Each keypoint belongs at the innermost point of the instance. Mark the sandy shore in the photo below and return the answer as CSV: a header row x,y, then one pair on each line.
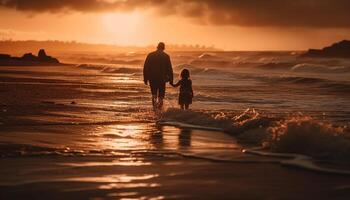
x,y
55,143
165,178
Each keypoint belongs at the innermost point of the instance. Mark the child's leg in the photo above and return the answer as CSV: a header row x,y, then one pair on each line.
x,y
182,106
187,106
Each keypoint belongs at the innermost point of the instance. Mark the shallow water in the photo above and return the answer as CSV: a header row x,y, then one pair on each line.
x,y
84,119
264,86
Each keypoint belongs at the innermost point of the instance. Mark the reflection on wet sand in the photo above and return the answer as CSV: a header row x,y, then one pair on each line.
x,y
156,138
120,178
150,137
115,140
185,138
149,162
127,161
122,137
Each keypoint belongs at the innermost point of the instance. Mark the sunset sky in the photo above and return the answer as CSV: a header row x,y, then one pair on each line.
x,y
226,24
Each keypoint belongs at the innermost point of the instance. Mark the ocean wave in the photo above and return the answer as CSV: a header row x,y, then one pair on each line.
x,y
207,56
298,80
199,70
306,135
299,67
121,70
126,62
295,66
336,86
111,68
236,124
91,66
275,66
211,63
319,68
105,59
281,136
293,134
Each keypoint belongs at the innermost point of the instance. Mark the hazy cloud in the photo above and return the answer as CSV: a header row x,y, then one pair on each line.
x,y
298,13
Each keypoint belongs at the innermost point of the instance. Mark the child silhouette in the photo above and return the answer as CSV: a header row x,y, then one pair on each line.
x,y
186,91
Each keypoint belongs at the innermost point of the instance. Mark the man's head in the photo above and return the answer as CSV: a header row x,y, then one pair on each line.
x,y
161,46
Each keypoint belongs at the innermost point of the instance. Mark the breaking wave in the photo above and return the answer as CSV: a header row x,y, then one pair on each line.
x,y
319,68
200,70
305,135
297,133
299,67
111,69
121,70
337,86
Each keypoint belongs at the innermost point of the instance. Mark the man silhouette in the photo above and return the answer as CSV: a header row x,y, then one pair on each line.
x,y
157,71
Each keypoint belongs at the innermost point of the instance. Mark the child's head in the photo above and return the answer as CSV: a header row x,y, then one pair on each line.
x,y
185,74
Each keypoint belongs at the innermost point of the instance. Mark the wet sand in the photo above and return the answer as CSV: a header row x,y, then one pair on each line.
x,y
165,178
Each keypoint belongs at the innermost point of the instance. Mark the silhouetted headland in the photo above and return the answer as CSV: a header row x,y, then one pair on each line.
x,y
29,59
336,50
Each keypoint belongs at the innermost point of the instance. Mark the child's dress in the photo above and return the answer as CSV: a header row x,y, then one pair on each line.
x,y
186,92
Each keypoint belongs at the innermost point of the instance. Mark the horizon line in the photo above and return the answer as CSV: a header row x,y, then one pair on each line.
x,y
172,45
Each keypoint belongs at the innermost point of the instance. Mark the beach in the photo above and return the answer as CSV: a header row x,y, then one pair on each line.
x,y
153,177
87,131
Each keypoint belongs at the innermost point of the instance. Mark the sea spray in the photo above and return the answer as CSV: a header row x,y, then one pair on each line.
x,y
305,135
249,126
197,118
296,133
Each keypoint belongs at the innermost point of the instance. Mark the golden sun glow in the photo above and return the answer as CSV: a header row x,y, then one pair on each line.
x,y
121,23
143,27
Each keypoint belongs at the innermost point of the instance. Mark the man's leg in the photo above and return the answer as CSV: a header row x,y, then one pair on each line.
x,y
160,103
154,91
154,102
161,95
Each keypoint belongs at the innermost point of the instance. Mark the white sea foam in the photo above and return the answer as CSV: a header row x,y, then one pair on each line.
x,y
320,68
295,134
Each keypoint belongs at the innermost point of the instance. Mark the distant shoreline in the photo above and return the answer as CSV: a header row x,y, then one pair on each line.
x,y
12,46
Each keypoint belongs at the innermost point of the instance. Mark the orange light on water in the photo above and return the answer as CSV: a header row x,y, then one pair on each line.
x,y
122,137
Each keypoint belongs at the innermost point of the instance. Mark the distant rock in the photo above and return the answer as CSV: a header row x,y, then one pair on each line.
x,y
28,59
42,53
337,50
4,56
42,57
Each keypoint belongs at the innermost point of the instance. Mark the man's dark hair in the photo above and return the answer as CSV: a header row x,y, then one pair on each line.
x,y
161,46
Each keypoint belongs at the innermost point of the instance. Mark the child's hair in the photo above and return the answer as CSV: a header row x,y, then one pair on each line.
x,y
185,74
